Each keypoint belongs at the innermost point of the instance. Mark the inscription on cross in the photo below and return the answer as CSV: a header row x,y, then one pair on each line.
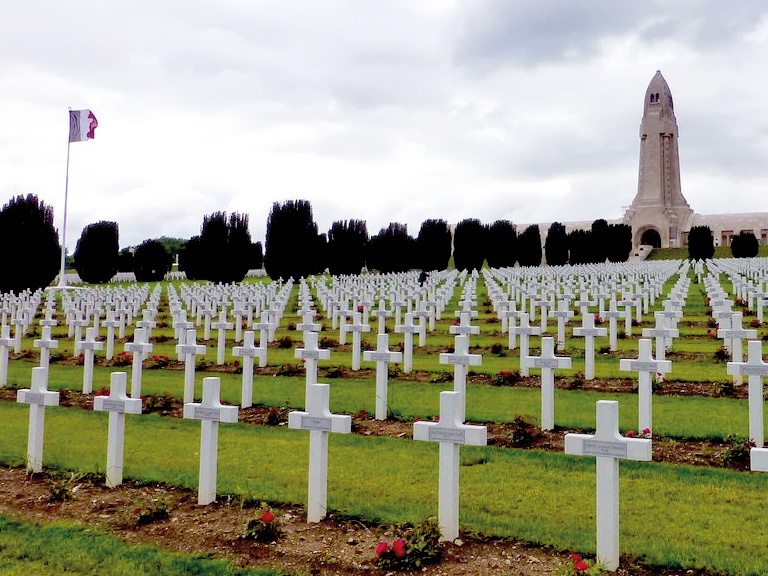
x,y
382,356
548,362
461,359
755,369
38,397
187,353
248,351
645,366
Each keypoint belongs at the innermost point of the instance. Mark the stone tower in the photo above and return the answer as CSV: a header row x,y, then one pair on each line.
x,y
659,212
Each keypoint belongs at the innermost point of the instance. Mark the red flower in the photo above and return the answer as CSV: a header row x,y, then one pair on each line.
x,y
647,431
381,548
398,546
267,517
576,557
581,566
630,433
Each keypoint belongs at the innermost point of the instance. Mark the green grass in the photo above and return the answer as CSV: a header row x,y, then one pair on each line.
x,y
541,497
27,548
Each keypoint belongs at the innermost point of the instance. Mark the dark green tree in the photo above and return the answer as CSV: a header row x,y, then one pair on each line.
x,y
292,242
190,259
151,262
434,245
469,244
224,249
556,245
391,250
125,260
96,254
257,256
599,250
744,245
346,247
501,249
619,242
30,255
701,244
580,247
529,246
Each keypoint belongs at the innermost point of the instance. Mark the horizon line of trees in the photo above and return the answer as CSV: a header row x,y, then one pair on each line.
x,y
224,252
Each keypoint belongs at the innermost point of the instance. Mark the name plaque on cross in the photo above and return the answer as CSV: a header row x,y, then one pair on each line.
x,y
638,366
31,397
545,363
311,354
437,434
751,370
203,413
604,448
316,423
373,356
114,406
455,360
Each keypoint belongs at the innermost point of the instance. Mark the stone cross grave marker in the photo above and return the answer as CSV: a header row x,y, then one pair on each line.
x,y
319,420
89,347
221,328
450,433
111,323
45,344
6,342
187,353
210,412
525,331
613,315
357,327
118,405
589,331
407,328
306,324
461,359
310,354
79,322
38,397
563,315
138,348
548,362
248,351
464,326
382,356
736,333
661,333
422,313
381,313
755,369
645,366
608,446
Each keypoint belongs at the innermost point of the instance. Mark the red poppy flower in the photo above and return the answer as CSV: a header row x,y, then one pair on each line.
x,y
647,431
398,546
630,433
267,517
381,548
581,566
576,557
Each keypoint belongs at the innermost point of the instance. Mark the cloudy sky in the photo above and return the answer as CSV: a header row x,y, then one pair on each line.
x,y
381,110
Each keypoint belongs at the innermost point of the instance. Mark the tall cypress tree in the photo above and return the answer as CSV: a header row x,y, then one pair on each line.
x,y
151,262
434,245
556,245
30,254
346,246
96,253
701,244
529,246
469,244
600,240
501,249
619,242
391,250
292,242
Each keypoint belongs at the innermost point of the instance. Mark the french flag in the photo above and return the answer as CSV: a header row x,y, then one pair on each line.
x,y
82,124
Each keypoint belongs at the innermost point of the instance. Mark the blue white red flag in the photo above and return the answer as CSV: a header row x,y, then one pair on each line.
x,y
82,124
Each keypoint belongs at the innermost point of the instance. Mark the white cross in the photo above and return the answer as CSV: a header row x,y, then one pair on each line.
x,y
311,353
78,324
221,328
464,326
613,315
525,331
382,356
608,446
563,315
138,348
755,369
187,353
89,345
510,314
548,362
589,332
736,333
5,345
381,313
248,351
450,433
306,321
210,412
422,313
407,328
118,405
357,327
111,323
342,315
319,420
661,333
38,397
263,327
461,359
46,343
645,365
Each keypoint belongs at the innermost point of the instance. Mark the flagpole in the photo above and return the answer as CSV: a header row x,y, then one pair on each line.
x,y
62,281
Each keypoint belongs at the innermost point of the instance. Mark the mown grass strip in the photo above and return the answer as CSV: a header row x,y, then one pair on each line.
x,y
671,515
27,548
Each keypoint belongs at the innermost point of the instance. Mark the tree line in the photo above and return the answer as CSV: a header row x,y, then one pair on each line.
x,y
224,252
